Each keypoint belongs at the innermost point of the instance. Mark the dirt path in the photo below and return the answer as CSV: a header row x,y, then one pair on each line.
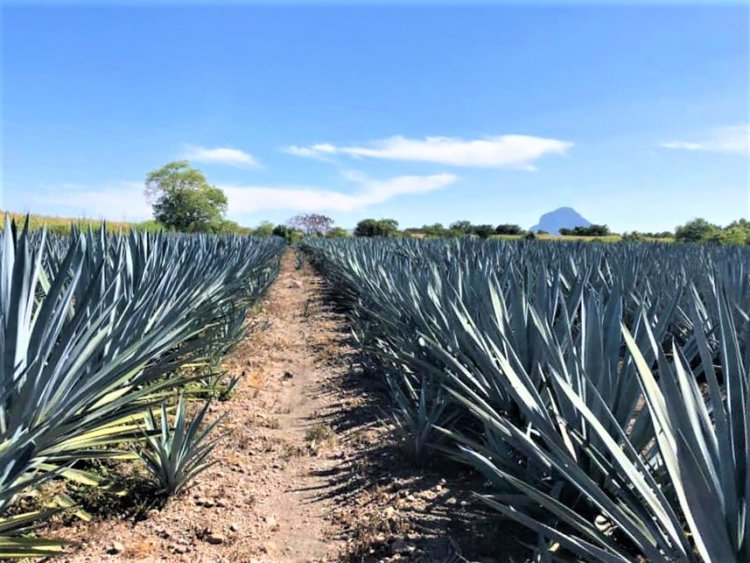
x,y
260,502
308,470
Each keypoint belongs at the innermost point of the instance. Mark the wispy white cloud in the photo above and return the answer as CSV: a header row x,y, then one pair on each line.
x,y
221,155
504,151
118,201
249,199
734,139
320,150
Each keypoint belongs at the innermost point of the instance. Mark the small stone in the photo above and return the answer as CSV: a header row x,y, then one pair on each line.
x,y
115,547
179,548
271,522
203,501
389,512
401,547
215,538
234,527
288,375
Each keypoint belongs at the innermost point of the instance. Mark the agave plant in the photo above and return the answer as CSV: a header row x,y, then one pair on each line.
x,y
175,455
92,330
612,444
683,499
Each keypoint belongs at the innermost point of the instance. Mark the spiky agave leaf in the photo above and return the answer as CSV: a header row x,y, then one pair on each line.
x,y
175,455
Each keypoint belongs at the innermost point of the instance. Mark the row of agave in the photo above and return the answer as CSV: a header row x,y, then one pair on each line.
x,y
96,331
602,390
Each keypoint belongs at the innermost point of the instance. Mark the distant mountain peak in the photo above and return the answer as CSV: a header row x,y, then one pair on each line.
x,y
560,218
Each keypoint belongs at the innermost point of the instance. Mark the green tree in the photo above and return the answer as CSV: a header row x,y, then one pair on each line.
x,y
337,232
696,230
590,231
289,234
265,229
742,225
435,230
461,227
366,228
184,200
508,229
376,228
483,231
227,227
733,234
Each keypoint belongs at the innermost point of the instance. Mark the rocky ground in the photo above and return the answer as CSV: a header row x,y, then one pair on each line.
x,y
308,470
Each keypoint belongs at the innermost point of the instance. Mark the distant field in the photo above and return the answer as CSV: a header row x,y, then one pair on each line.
x,y
61,225
608,238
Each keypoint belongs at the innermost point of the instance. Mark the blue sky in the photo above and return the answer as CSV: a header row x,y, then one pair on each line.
x,y
636,116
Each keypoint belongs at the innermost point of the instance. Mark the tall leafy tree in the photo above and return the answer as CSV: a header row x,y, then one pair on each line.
x,y
183,199
376,228
696,230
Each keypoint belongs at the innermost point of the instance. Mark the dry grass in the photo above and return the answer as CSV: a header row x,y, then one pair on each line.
x,y
62,225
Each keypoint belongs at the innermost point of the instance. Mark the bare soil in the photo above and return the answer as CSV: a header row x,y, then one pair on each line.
x,y
309,469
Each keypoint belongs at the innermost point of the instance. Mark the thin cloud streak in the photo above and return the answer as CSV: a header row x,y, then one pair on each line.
x,y
504,151
250,199
221,155
734,139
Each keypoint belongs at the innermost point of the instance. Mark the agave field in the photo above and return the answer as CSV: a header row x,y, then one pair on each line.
x,y
103,340
602,390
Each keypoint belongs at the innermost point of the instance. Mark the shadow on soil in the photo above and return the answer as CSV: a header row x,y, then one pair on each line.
x,y
388,508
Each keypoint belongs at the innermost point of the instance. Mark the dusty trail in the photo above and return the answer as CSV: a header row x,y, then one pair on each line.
x,y
260,502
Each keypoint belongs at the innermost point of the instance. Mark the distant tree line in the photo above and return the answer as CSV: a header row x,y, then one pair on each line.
x,y
465,228
590,231
640,236
182,200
